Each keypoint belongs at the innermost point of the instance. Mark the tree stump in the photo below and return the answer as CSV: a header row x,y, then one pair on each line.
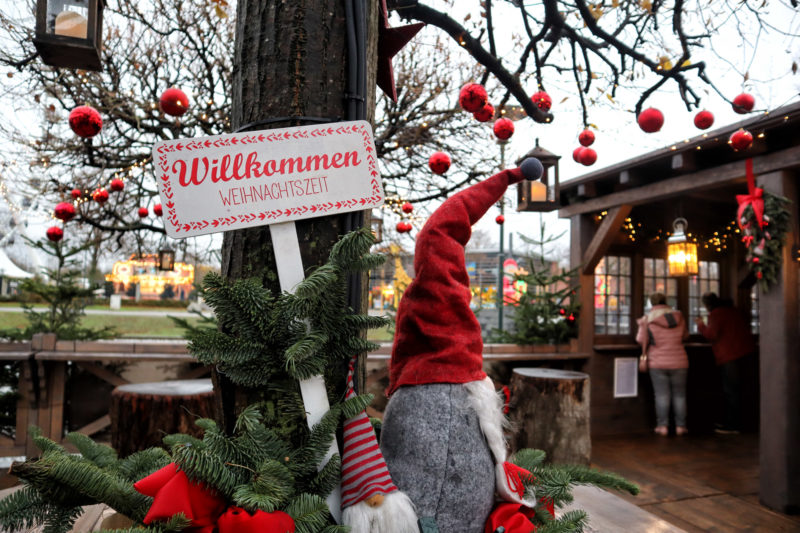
x,y
143,413
549,411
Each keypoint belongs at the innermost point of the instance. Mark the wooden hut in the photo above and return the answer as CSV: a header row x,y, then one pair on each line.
x,y
620,217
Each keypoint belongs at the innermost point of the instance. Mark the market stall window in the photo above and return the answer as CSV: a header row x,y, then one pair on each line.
x,y
706,280
612,296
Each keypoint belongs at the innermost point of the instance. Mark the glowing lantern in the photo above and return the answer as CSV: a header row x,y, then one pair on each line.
x,y
681,254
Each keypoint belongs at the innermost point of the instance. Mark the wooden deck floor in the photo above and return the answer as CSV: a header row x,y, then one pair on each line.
x,y
703,483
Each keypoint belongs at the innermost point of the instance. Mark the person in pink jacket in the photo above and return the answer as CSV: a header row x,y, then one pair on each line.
x,y
661,333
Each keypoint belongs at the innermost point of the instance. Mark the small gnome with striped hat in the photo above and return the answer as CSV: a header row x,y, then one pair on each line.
x,y
371,503
442,433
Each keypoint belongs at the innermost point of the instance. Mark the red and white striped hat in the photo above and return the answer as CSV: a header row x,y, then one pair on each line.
x,y
364,471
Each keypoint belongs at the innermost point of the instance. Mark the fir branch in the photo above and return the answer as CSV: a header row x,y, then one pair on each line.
x,y
309,512
569,522
100,455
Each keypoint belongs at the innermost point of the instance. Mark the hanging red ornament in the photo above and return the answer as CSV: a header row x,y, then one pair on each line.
x,y
64,211
157,210
55,234
85,121
100,196
484,114
174,102
650,120
403,227
472,97
588,157
562,311
741,139
407,207
75,193
503,128
117,185
576,153
571,317
500,219
704,120
439,162
744,103
586,138
143,212
542,100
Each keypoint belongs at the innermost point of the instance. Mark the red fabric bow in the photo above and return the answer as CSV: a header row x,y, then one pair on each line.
x,y
754,198
237,520
514,517
173,493
515,476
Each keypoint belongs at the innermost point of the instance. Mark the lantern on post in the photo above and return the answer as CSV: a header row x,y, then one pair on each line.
x,y
376,225
68,32
166,259
681,254
541,195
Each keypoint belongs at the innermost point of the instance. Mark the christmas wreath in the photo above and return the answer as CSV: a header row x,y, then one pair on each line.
x,y
764,221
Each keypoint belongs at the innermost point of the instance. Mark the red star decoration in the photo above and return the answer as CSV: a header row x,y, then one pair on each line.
x,y
390,41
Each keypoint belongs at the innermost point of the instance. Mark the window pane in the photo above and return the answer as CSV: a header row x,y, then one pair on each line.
x,y
612,296
626,266
649,269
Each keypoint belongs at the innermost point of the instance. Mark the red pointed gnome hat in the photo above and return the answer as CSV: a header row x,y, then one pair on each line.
x,y
438,338
364,470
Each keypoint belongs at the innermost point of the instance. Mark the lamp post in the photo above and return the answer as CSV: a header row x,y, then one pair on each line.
x,y
69,32
500,255
542,195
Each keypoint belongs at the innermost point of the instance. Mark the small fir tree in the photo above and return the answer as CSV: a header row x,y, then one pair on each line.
x,y
168,293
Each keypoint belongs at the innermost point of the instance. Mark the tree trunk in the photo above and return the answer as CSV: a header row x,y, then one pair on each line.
x,y
143,413
550,412
290,61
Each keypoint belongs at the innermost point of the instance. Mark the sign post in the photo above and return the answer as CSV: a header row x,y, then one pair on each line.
x,y
273,177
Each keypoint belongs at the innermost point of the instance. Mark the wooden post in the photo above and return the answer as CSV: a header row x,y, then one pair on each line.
x,y
779,329
550,411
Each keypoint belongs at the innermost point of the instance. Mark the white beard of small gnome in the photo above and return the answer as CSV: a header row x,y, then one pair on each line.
x,y
442,434
371,503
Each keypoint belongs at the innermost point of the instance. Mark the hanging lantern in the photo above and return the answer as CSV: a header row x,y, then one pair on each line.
x,y
681,254
540,195
68,33
166,259
376,224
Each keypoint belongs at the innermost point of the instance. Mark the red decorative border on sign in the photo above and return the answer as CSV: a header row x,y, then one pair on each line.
x,y
277,214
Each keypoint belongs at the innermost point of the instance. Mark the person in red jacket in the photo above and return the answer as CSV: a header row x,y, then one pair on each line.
x,y
661,333
731,340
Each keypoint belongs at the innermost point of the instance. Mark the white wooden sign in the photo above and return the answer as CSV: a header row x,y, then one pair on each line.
x,y
240,180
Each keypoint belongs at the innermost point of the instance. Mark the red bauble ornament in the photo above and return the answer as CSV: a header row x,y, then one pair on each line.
x,y
64,211
586,138
85,121
741,140
75,193
562,311
500,219
503,128
484,114
704,120
403,227
744,103
650,120
174,102
542,100
439,162
143,212
117,185
100,196
588,156
756,260
407,207
472,97
157,210
576,153
55,234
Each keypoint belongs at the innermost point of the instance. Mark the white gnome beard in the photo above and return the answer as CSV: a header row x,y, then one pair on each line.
x,y
395,515
489,407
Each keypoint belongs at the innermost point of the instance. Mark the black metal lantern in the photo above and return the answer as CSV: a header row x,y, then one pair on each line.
x,y
68,32
540,195
376,225
166,259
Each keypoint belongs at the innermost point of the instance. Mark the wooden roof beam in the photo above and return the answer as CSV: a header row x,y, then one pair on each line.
x,y
604,237
695,181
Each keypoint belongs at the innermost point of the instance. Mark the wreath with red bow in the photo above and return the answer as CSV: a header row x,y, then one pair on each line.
x,y
764,221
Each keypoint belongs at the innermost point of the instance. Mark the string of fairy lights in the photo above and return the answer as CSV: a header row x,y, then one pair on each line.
x,y
124,175
718,241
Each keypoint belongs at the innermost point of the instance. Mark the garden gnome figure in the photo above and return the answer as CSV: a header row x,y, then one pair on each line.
x,y
442,434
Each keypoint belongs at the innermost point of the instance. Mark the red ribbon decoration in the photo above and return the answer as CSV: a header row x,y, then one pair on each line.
x,y
173,493
515,476
237,520
754,198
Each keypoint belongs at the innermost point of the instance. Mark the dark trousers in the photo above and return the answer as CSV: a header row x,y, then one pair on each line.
x,y
731,376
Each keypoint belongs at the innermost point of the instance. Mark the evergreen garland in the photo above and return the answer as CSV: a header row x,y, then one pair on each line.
x,y
765,244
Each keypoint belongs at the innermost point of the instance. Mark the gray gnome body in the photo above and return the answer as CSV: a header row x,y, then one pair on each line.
x,y
434,447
